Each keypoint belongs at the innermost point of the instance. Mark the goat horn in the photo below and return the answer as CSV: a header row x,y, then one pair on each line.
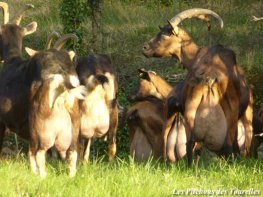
x,y
62,40
195,12
4,6
254,18
18,17
50,39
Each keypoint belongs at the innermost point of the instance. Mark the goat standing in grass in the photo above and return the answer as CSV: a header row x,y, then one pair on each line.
x,y
14,81
231,93
99,109
54,116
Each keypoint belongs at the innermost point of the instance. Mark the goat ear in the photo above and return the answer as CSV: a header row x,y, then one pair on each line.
x,y
141,70
175,30
143,74
30,28
102,79
31,52
71,55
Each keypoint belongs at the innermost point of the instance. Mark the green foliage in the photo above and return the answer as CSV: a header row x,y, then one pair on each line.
x,y
73,13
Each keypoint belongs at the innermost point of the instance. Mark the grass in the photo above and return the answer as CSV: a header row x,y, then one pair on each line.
x,y
128,178
126,26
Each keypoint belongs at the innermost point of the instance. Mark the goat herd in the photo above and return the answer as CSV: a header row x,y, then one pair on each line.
x,y
51,100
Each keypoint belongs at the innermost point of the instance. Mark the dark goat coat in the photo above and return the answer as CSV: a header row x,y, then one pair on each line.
x,y
15,81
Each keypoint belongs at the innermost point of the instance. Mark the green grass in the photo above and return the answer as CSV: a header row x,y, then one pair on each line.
x,y
128,178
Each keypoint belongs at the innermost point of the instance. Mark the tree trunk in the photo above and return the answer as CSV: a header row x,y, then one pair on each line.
x,y
96,11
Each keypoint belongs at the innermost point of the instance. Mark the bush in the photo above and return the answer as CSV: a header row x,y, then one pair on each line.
x,y
72,14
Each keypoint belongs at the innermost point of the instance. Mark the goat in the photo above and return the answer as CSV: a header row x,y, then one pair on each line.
x,y
151,96
146,117
99,109
14,86
257,139
174,41
54,116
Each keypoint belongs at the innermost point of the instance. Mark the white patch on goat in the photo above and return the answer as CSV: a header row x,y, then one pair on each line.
x,y
241,134
74,81
56,80
73,156
109,87
95,118
79,92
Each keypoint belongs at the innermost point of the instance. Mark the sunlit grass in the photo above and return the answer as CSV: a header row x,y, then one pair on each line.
x,y
128,178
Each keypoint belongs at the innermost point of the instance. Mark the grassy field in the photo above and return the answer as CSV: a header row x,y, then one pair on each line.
x,y
126,26
128,178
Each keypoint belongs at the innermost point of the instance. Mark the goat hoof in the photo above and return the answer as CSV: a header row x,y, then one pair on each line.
x,y
72,173
42,175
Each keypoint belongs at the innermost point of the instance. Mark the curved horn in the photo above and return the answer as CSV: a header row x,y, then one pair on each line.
x,y
17,19
50,39
254,18
4,6
195,12
62,40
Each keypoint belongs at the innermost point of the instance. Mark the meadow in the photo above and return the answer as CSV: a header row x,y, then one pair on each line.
x,y
128,178
126,25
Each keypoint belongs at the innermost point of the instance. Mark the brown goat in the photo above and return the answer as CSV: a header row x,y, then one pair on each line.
x,y
99,109
152,96
146,117
174,41
54,116
14,82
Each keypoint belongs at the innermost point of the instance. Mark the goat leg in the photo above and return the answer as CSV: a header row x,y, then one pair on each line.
x,y
2,134
87,152
40,160
32,158
33,148
72,152
72,160
112,132
189,146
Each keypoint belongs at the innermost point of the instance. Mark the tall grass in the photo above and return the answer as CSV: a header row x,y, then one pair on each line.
x,y
128,178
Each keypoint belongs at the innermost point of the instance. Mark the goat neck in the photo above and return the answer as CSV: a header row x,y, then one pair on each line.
x,y
189,50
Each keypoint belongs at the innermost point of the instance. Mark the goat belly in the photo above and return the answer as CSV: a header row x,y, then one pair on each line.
x,y
95,120
140,148
181,139
210,124
171,142
56,130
